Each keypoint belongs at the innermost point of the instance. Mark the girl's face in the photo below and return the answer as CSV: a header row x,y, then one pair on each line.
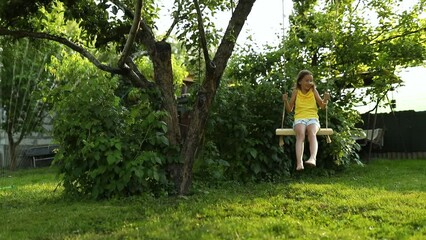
x,y
306,82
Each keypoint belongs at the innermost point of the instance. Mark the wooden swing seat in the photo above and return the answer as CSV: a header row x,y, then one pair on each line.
x,y
291,132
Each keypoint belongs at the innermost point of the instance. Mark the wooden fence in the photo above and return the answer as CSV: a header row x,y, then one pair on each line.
x,y
404,134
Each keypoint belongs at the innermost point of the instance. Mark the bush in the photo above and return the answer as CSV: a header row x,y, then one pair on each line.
x,y
240,139
105,149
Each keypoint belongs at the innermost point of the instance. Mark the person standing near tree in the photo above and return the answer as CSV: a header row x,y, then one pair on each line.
x,y
305,100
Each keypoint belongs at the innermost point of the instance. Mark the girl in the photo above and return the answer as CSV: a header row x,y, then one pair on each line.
x,y
305,100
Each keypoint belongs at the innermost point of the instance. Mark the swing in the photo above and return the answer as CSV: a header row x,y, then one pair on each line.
x,y
290,132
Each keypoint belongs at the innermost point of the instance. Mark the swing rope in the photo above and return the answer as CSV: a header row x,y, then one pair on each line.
x,y
289,131
281,143
328,139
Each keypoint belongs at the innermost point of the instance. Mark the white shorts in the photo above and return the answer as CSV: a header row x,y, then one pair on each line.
x,y
307,122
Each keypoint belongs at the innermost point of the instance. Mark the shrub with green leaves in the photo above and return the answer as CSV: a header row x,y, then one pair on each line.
x,y
240,141
105,149
343,149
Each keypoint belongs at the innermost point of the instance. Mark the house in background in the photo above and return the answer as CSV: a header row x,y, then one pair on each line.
x,y
34,150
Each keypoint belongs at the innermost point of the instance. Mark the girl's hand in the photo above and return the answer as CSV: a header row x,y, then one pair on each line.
x,y
285,97
326,96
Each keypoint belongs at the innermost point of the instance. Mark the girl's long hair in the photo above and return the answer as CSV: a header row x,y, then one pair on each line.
x,y
300,76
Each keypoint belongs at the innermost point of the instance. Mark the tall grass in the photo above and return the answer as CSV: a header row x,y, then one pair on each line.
x,y
383,200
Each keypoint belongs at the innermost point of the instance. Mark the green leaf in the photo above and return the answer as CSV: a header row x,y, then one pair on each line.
x,y
158,160
155,175
139,173
111,159
164,140
256,168
253,152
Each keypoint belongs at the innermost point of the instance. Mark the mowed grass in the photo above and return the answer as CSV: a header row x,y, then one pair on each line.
x,y
385,199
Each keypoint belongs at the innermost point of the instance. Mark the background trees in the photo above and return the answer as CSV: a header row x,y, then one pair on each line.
x,y
102,25
23,79
333,40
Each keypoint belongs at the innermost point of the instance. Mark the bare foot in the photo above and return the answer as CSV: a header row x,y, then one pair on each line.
x,y
311,162
299,167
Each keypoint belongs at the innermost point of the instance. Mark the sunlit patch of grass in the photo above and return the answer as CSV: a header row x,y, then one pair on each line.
x,y
383,200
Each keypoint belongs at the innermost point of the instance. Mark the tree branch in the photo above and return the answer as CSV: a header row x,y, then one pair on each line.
x,y
203,38
169,31
399,35
66,42
127,11
147,37
229,39
132,34
130,71
176,19
145,33
138,79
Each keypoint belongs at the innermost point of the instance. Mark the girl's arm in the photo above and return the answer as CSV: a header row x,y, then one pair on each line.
x,y
321,103
289,105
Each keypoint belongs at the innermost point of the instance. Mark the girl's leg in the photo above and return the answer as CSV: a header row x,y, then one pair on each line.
x,y
300,143
312,130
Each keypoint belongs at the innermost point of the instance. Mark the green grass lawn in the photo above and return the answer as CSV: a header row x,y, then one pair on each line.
x,y
383,200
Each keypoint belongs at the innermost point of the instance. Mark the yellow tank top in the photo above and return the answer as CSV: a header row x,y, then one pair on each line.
x,y
306,106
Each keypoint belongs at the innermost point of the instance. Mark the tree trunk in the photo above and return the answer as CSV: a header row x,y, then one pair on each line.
x,y
196,132
12,152
163,75
214,71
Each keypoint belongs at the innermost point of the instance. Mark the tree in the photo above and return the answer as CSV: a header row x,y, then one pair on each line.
x,y
22,78
139,26
309,44
350,50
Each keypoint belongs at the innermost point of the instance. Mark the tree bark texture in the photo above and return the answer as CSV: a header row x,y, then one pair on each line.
x,y
12,151
163,76
205,97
